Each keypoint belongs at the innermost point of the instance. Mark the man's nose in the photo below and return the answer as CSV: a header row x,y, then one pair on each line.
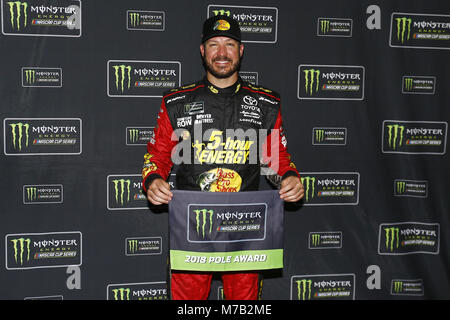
x,y
222,50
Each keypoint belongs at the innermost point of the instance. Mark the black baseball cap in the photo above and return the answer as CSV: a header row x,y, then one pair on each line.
x,y
221,26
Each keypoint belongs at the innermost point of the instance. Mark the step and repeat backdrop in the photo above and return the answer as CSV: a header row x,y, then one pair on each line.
x,y
365,102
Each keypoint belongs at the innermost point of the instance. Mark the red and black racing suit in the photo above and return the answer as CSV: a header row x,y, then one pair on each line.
x,y
219,162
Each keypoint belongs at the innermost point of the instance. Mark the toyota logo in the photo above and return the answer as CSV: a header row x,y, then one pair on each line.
x,y
250,101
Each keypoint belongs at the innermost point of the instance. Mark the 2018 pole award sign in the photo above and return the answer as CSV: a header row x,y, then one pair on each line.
x,y
229,231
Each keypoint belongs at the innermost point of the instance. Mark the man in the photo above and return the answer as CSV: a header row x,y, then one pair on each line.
x,y
218,162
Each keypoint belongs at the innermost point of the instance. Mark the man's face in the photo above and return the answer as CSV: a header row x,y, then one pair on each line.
x,y
222,56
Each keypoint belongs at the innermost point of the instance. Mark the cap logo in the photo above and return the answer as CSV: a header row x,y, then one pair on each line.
x,y
221,12
221,25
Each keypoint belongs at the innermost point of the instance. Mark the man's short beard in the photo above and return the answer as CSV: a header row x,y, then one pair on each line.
x,y
235,67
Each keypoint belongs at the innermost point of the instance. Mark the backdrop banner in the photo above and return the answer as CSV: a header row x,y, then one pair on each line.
x,y
365,102
226,231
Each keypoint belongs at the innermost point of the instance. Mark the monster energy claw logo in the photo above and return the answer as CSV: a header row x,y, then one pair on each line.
x,y
398,133
310,79
221,12
315,239
392,236
408,84
304,289
121,76
20,245
134,17
324,26
31,193
121,184
133,245
15,8
308,182
403,26
320,135
398,286
133,134
121,293
30,76
401,185
19,135
203,213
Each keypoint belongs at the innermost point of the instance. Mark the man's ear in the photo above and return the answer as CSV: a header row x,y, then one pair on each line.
x,y
202,50
241,49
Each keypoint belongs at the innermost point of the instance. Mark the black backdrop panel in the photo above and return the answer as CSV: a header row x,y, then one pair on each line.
x,y
365,108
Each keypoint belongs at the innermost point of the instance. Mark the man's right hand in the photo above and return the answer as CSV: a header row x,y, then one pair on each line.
x,y
159,192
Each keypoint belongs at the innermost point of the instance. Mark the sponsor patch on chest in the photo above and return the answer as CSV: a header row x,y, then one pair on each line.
x,y
194,107
250,111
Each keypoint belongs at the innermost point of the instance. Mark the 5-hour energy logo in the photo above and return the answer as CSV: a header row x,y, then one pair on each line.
x,y
219,151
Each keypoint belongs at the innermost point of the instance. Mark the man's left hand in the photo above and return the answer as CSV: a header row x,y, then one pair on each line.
x,y
292,189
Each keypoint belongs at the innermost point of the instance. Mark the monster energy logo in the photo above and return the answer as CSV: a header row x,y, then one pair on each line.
x,y
30,76
401,186
120,184
304,289
398,286
15,8
133,134
398,132
203,213
221,12
324,26
121,77
320,133
315,239
133,245
308,182
403,26
19,252
121,293
18,136
31,193
134,17
310,79
408,84
392,237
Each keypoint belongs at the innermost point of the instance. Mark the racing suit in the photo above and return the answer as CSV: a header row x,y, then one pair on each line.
x,y
217,159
